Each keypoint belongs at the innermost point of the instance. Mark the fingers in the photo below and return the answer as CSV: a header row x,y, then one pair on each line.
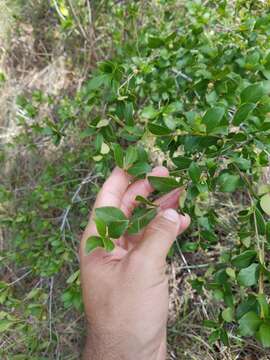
x,y
140,187
110,194
170,200
113,189
161,233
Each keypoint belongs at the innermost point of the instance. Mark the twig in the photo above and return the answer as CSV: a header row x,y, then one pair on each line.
x,y
50,306
86,180
77,19
58,10
20,278
189,271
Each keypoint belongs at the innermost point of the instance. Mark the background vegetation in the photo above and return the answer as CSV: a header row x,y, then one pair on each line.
x,y
185,84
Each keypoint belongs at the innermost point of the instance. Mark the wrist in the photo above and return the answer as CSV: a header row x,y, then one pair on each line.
x,y
101,347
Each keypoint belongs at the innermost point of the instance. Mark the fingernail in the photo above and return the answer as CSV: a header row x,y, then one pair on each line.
x,y
171,215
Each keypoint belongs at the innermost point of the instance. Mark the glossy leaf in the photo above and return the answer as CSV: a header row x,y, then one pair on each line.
x,y
249,276
242,113
249,324
163,184
212,118
92,243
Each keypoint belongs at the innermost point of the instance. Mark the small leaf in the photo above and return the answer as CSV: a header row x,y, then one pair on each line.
x,y
108,244
5,324
245,259
118,155
97,81
242,113
228,314
182,198
163,184
249,276
110,214
139,222
130,157
212,118
101,227
149,112
264,306
73,277
103,123
260,222
265,203
224,337
228,182
263,335
194,172
117,228
158,129
104,149
145,201
214,336
182,162
138,169
92,243
252,93
249,324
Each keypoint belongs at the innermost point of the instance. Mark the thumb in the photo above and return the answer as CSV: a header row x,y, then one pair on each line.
x,y
161,232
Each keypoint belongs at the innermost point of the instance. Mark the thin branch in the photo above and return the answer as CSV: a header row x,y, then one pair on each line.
x,y
189,271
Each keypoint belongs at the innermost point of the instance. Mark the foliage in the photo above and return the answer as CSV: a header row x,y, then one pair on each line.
x,y
188,84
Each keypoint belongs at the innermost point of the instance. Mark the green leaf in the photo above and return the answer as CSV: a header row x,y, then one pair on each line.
x,y
101,227
242,113
249,324
158,129
267,232
145,201
264,306
194,172
224,337
163,184
244,259
5,324
118,155
139,169
228,182
97,81
228,314
252,93
214,336
265,203
139,222
149,112
260,222
182,162
212,118
108,244
110,214
130,157
92,243
73,277
249,276
117,228
263,335
182,199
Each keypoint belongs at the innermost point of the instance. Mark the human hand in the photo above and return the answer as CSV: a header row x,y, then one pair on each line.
x,y
125,292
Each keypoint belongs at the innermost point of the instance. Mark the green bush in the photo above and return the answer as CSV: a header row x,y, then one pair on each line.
x,y
188,86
